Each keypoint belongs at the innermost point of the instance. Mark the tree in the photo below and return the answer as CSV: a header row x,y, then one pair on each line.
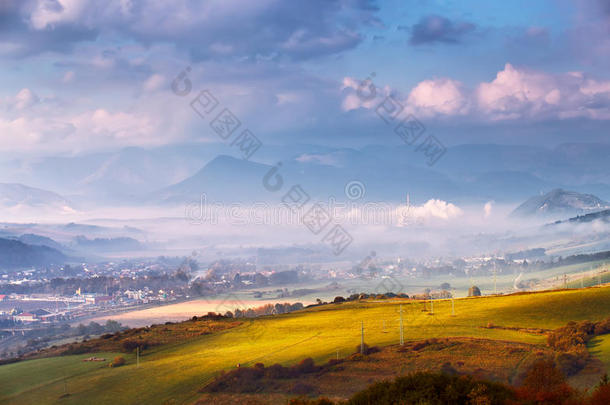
x,y
601,395
474,291
545,384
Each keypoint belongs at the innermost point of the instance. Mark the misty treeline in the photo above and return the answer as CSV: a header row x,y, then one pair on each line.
x,y
100,284
40,337
268,309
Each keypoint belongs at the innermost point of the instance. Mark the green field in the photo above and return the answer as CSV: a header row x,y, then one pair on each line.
x,y
602,277
173,374
600,348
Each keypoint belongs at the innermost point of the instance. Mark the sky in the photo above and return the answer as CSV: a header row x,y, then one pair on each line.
x,y
83,76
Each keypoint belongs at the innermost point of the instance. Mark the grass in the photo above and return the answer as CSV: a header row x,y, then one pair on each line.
x,y
174,373
55,370
600,348
601,278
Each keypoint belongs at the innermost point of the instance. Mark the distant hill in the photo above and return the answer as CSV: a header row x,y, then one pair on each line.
x,y
100,245
15,254
560,202
38,240
601,215
222,179
16,195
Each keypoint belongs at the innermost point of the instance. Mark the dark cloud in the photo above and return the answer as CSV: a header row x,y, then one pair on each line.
x,y
21,39
433,29
299,29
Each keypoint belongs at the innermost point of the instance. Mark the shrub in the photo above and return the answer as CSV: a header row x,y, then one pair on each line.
x,y
601,395
275,371
574,335
430,388
447,368
474,291
571,363
307,401
117,362
131,345
367,350
544,383
300,388
306,366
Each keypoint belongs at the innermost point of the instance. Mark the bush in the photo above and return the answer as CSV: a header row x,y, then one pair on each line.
x,y
307,401
131,345
117,362
306,366
573,336
601,395
430,388
571,363
299,388
474,291
367,350
544,383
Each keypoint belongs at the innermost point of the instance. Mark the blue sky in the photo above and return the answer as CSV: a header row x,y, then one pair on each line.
x,y
80,76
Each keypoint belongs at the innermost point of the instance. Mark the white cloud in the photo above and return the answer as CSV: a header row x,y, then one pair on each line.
x,y
432,209
487,208
25,98
520,93
515,93
68,77
154,82
440,96
34,125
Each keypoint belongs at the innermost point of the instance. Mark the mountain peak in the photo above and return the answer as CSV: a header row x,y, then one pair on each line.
x,y
560,202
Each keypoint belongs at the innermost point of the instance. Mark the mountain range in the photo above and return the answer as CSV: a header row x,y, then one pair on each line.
x,y
181,174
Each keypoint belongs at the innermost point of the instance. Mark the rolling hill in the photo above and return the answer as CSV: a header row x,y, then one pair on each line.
x,y
15,254
174,373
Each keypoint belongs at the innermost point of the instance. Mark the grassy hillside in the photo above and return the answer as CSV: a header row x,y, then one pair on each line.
x,y
600,348
172,374
602,277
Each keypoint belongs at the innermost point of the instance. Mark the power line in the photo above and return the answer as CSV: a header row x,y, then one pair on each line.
x,y
452,307
402,337
495,280
362,337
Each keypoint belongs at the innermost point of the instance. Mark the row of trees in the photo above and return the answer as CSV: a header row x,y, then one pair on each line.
x,y
268,309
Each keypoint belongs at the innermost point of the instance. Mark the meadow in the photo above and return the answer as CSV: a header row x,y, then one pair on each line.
x,y
172,374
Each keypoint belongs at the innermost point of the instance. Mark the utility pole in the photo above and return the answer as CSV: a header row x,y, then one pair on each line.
x,y
452,307
495,280
402,337
362,337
